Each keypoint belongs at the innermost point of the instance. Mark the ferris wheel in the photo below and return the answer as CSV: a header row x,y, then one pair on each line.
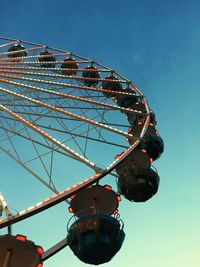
x,y
61,109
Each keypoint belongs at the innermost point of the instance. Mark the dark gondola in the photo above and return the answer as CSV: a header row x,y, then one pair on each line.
x,y
139,115
90,76
95,239
69,66
17,51
111,83
137,181
136,130
47,59
153,145
138,184
127,101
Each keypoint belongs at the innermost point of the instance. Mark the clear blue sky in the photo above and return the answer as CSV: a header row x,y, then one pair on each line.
x,y
156,44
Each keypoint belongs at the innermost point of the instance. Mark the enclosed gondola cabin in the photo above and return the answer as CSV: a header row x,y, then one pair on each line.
x,y
153,145
139,114
136,180
136,130
153,118
69,66
96,236
137,157
16,51
138,184
90,76
127,101
95,239
111,83
47,59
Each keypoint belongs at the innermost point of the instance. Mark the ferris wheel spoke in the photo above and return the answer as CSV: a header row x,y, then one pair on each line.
x,y
101,114
19,133
56,76
65,128
29,67
100,141
64,107
68,96
50,138
14,133
84,115
55,149
40,157
62,118
62,85
39,115
87,131
10,141
51,186
83,136
50,183
70,114
31,140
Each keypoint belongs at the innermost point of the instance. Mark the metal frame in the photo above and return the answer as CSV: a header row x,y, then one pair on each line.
x,y
14,105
